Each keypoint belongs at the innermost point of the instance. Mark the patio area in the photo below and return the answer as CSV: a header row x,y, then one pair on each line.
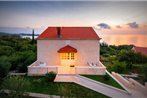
x,y
37,69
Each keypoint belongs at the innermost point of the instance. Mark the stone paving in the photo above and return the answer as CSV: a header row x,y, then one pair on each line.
x,y
99,87
93,85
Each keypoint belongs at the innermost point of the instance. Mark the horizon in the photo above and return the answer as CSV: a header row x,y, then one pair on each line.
x,y
111,39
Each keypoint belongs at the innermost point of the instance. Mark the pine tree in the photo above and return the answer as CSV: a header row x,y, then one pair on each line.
x,y
33,36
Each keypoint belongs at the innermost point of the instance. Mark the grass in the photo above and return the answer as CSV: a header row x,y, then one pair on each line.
x,y
101,78
38,85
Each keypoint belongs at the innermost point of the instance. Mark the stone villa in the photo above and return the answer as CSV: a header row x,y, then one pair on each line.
x,y
68,50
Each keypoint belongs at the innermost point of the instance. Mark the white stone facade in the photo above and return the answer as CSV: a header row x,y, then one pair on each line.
x,y
87,51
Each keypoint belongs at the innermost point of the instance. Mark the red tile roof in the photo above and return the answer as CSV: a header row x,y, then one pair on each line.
x,y
69,33
142,50
67,49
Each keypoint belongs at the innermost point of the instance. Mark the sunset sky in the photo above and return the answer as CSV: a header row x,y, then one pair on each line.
x,y
108,17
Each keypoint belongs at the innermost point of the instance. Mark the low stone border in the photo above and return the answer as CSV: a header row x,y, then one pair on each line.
x,y
17,74
128,91
34,95
38,95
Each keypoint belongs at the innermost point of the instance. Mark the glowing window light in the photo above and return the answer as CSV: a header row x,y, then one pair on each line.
x,y
67,56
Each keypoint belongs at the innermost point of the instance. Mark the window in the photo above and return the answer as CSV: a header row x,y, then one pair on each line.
x,y
72,56
67,56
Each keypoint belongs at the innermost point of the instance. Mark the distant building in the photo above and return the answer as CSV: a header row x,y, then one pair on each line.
x,y
68,50
142,50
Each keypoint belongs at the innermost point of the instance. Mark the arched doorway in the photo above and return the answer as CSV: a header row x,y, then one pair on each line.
x,y
67,60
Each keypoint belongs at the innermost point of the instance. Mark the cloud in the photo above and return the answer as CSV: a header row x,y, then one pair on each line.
x,y
118,26
133,25
104,26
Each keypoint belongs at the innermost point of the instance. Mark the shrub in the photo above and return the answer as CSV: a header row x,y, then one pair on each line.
x,y
17,86
106,77
64,91
4,66
49,77
125,47
119,67
106,55
19,51
22,67
144,72
20,60
6,50
131,57
103,44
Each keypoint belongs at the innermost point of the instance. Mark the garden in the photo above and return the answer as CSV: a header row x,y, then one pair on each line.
x,y
123,60
40,84
17,53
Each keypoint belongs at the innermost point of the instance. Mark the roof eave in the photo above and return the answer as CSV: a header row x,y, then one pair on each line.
x,y
69,38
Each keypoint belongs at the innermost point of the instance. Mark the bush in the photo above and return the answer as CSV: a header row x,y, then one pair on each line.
x,y
64,91
20,60
22,67
131,57
17,86
103,44
106,77
49,77
144,72
4,66
119,67
108,51
106,55
6,50
125,47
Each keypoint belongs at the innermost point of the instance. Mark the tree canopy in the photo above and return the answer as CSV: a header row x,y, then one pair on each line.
x,y
16,53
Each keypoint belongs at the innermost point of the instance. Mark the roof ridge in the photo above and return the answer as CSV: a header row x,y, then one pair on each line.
x,y
70,33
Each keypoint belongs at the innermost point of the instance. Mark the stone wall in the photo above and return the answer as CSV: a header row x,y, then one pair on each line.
x,y
130,83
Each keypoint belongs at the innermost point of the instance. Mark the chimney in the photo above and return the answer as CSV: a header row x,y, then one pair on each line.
x,y
59,32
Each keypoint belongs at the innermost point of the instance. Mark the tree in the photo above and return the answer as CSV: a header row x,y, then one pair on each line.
x,y
4,66
103,44
130,57
25,59
106,50
125,47
32,37
20,53
6,50
144,72
119,67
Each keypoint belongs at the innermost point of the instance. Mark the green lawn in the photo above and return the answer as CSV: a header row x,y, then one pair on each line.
x,y
38,85
101,78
